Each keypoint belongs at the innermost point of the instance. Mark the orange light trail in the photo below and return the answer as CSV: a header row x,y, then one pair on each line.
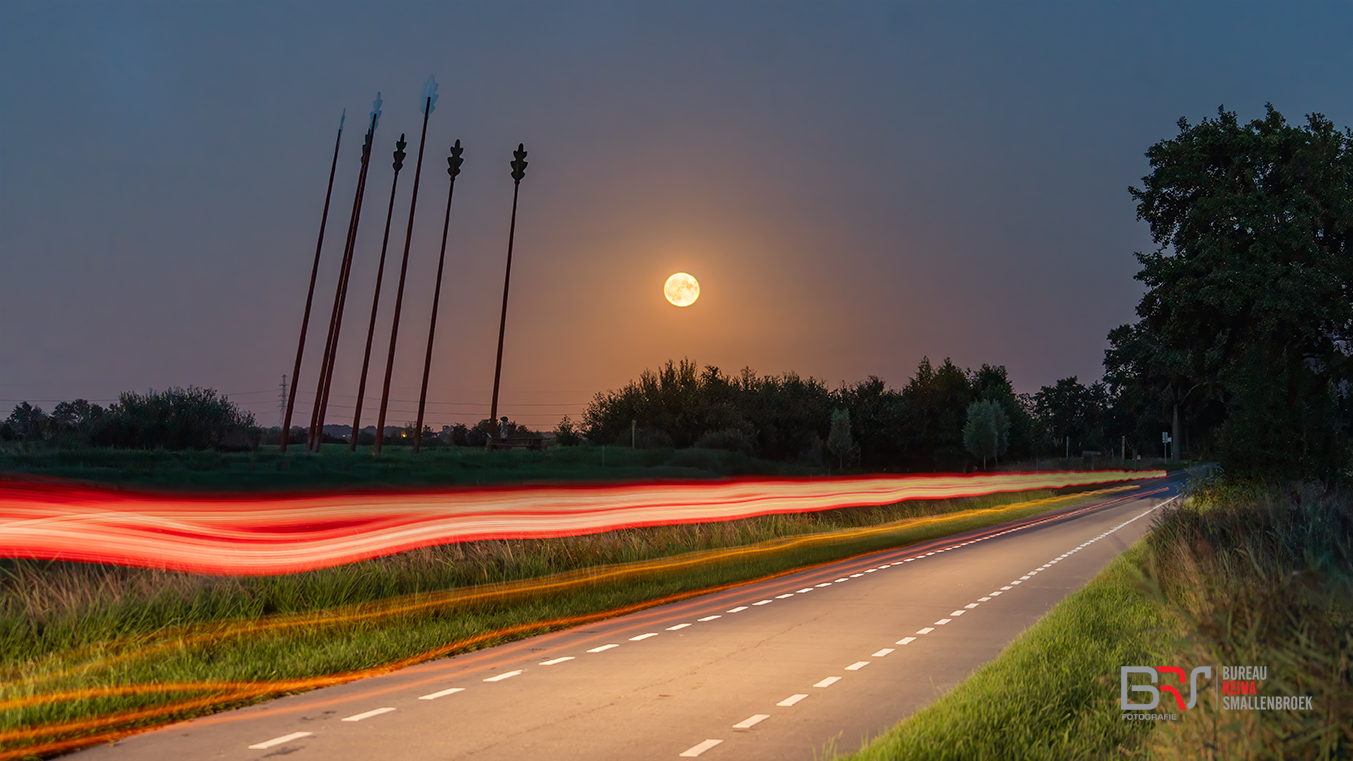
x,y
110,653
277,534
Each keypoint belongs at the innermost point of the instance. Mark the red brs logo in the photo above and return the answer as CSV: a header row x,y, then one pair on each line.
x,y
1154,674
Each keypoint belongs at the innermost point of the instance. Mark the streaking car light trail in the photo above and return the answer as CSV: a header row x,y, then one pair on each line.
x,y
182,699
107,654
277,534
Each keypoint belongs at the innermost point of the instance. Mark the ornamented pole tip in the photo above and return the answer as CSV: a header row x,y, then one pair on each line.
x,y
519,162
426,106
453,163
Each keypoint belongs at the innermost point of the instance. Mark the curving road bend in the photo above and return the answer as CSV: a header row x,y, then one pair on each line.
x,y
773,670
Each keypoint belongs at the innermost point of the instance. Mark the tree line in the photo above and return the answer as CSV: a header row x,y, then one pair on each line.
x,y
179,418
944,418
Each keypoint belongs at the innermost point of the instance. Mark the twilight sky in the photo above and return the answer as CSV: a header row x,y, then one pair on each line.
x,y
855,185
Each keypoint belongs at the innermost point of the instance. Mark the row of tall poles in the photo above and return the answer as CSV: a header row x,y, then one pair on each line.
x,y
324,383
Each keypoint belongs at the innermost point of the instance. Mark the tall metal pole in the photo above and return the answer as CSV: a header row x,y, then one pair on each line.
x,y
316,433
518,172
429,99
376,299
453,169
310,295
341,295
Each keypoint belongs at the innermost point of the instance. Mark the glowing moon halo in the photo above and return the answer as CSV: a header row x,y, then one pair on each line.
x,y
681,289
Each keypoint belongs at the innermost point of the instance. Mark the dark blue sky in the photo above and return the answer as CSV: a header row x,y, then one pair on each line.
x,y
855,185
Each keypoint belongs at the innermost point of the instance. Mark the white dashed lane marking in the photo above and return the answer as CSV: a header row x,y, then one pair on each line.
x,y
369,714
710,618
829,681
643,637
696,750
602,648
763,602
280,740
751,721
882,652
926,630
454,690
905,640
791,700
678,626
857,665
498,678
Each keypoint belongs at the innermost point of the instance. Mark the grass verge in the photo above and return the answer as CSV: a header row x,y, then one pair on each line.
x,y
335,467
103,666
1236,576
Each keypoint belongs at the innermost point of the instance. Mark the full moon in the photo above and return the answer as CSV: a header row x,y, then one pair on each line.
x,y
681,289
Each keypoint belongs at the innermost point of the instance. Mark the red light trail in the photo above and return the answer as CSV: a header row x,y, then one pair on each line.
x,y
277,534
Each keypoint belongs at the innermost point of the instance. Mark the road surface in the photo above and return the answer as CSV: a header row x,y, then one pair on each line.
x,y
774,670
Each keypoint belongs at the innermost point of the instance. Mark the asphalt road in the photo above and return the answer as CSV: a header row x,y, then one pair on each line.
x,y
774,670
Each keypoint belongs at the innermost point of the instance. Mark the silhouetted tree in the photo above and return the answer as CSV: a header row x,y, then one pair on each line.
x,y
1248,289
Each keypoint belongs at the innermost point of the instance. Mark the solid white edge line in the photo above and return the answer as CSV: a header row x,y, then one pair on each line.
x,y
791,700
751,721
368,714
280,740
443,693
696,750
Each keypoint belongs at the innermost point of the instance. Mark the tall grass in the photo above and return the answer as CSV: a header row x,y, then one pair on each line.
x,y
1237,575
1263,577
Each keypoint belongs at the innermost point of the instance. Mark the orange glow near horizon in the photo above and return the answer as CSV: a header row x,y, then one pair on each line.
x,y
275,534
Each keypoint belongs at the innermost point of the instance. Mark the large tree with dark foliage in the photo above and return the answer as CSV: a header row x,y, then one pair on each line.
x,y
1250,289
